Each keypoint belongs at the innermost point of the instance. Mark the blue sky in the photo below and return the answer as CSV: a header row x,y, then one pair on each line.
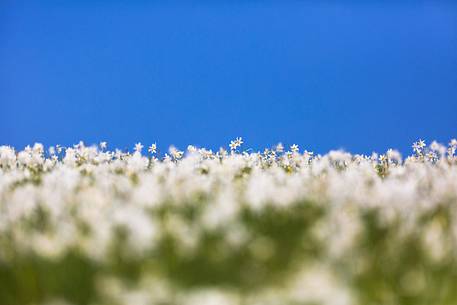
x,y
359,75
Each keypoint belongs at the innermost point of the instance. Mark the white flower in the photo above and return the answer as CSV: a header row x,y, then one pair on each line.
x,y
310,153
38,148
294,148
52,150
153,148
419,145
453,143
280,148
175,153
204,209
191,149
138,147
236,143
7,156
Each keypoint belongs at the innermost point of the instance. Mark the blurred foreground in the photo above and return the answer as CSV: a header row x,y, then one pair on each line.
x,y
85,225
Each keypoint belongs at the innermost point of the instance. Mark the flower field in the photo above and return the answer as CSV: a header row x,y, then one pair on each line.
x,y
87,225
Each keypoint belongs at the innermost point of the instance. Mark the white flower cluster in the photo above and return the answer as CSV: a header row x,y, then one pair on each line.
x,y
86,225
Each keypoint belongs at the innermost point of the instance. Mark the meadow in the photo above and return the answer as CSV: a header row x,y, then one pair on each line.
x,y
91,225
